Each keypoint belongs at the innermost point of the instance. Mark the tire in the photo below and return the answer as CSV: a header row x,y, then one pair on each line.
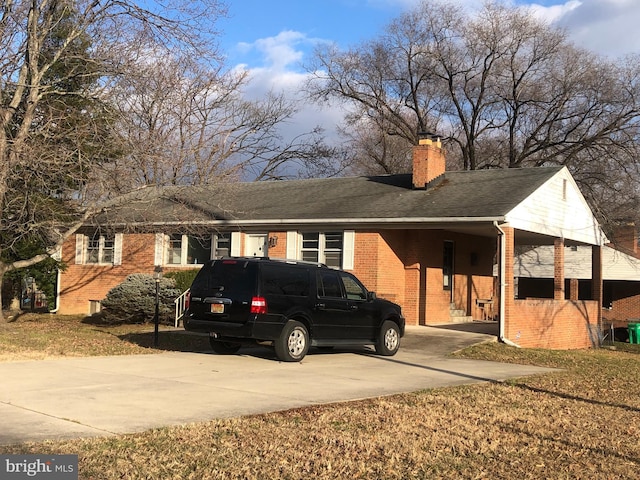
x,y
224,348
293,344
389,339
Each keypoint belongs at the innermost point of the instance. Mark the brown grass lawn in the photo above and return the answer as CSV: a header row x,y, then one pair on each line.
x,y
582,422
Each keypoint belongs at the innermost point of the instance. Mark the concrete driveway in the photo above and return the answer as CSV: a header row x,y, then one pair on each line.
x,y
94,396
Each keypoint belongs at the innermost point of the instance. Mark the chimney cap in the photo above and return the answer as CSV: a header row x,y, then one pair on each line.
x,y
427,138
423,134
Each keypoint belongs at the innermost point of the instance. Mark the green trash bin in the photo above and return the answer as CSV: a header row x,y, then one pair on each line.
x,y
634,333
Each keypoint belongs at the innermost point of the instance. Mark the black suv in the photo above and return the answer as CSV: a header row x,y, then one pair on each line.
x,y
290,305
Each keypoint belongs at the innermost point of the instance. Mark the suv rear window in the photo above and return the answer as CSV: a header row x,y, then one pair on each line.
x,y
285,280
235,277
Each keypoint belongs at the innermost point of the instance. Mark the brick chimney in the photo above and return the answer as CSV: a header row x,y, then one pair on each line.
x,y
428,160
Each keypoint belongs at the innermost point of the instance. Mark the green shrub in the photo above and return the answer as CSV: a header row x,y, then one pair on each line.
x,y
134,300
183,278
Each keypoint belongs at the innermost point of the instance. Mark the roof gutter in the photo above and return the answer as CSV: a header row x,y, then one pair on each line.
x,y
319,221
501,275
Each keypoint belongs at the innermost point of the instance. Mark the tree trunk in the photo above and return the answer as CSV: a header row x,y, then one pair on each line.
x,y
2,272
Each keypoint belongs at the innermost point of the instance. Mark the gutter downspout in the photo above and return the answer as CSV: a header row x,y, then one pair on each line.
x,y
55,310
501,275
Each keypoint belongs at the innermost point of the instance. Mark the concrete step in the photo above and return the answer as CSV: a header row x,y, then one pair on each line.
x,y
457,315
461,318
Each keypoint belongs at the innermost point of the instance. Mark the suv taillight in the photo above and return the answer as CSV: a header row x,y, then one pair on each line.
x,y
187,301
258,305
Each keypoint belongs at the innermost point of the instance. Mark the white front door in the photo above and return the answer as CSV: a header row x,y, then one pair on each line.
x,y
256,246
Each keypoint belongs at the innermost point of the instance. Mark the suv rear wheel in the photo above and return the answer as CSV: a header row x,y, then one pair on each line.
x,y
293,344
389,339
223,348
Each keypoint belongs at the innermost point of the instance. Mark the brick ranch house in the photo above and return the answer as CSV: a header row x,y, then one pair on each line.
x,y
427,240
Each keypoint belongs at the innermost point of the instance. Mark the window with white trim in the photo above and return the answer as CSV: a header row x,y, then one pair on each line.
x,y
187,249
99,249
179,249
222,245
323,247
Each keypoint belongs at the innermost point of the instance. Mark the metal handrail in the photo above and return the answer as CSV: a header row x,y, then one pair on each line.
x,y
180,307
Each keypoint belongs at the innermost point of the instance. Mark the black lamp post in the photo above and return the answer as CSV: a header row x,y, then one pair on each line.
x,y
157,275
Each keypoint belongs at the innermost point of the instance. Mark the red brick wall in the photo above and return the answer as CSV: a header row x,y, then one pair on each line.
x,y
553,324
546,323
81,283
280,250
406,267
625,304
377,264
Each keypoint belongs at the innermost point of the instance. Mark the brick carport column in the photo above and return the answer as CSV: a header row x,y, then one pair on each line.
x,y
558,269
596,279
509,290
574,287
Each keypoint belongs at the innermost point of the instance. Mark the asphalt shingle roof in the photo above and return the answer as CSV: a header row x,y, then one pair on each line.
x,y
468,194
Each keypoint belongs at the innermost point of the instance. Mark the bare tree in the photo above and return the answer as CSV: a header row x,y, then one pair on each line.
x,y
503,88
372,151
184,124
57,61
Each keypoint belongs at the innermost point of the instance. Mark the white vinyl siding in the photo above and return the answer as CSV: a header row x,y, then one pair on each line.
x,y
557,209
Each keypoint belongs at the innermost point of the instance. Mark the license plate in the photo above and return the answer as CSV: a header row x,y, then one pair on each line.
x,y
217,308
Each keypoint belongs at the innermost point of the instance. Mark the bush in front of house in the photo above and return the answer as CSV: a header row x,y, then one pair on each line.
x,y
134,300
183,278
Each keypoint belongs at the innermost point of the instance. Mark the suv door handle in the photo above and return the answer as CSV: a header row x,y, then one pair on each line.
x,y
353,307
320,306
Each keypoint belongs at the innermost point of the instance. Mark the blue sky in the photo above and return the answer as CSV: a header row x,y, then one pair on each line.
x,y
343,21
262,33
272,39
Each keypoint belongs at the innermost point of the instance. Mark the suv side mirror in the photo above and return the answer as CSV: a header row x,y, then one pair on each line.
x,y
371,296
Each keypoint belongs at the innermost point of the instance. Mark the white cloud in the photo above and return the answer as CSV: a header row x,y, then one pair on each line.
x,y
553,13
281,72
281,57
605,26
283,51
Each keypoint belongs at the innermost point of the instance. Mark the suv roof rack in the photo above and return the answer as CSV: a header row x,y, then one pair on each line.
x,y
283,260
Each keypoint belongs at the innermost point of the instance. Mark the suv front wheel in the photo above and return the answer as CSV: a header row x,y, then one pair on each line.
x,y
293,344
389,339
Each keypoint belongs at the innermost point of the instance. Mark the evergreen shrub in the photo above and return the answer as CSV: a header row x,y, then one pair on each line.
x,y
134,300
183,278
